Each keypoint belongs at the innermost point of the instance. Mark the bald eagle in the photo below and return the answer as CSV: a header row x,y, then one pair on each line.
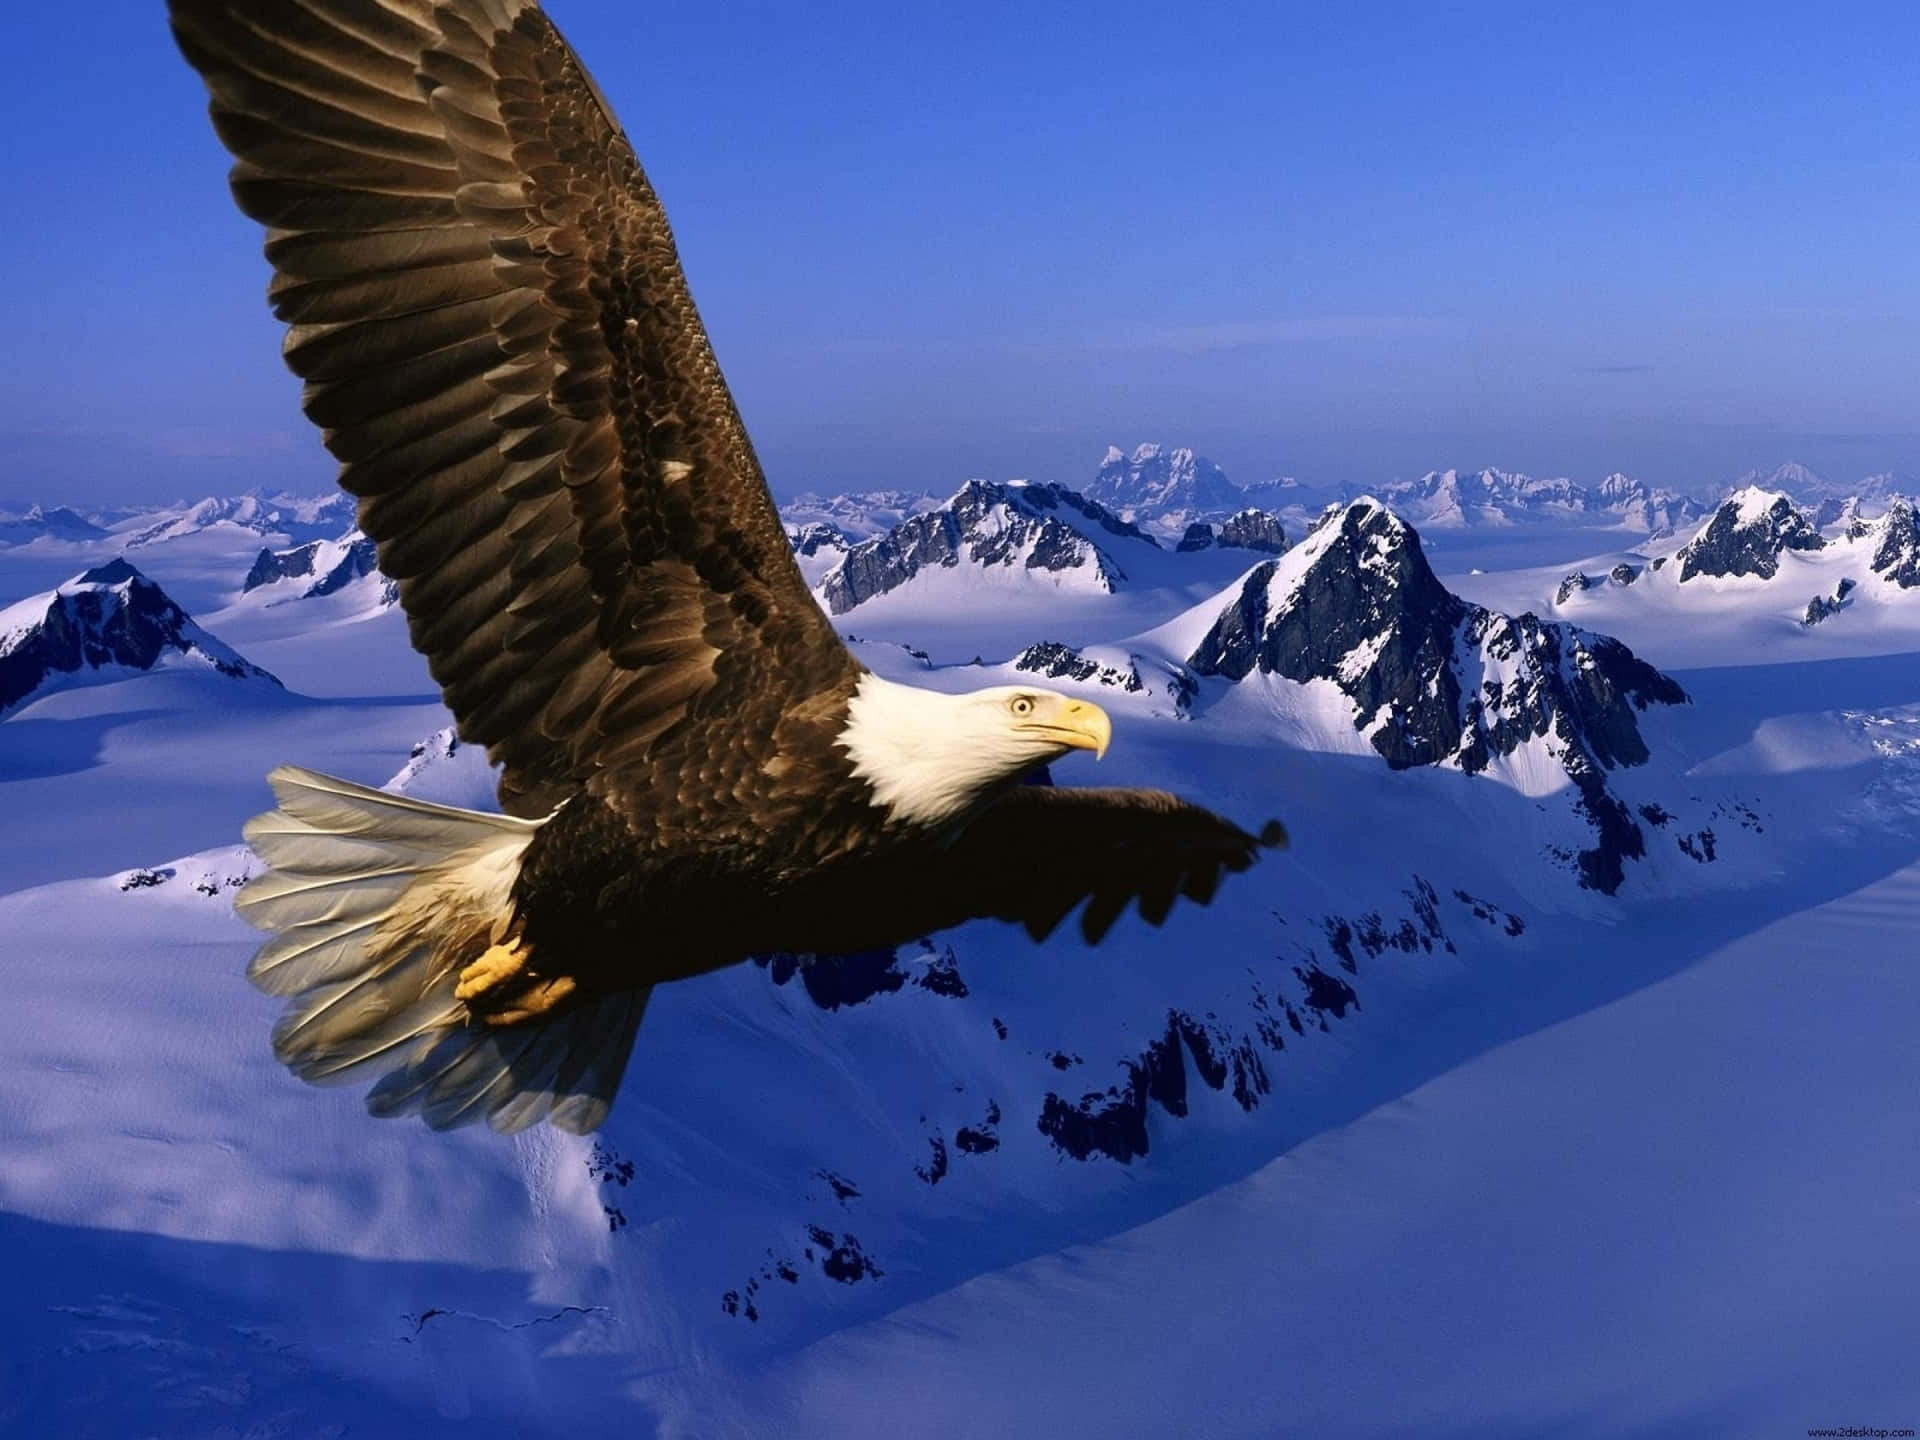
x,y
498,344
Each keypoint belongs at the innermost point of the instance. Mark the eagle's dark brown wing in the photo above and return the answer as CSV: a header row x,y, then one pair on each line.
x,y
1037,852
499,345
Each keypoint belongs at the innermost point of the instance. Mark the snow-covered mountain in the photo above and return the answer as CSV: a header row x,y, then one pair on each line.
x,y
319,568
1430,679
1747,535
108,619
1758,571
1165,490
1017,534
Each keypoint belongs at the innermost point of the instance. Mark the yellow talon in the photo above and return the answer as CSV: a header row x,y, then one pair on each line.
x,y
492,970
540,999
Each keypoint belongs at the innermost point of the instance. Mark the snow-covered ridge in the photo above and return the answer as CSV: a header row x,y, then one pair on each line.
x,y
1753,529
317,568
58,522
298,517
858,515
109,617
1044,532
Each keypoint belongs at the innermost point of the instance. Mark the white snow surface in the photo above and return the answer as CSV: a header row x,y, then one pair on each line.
x,y
1548,1163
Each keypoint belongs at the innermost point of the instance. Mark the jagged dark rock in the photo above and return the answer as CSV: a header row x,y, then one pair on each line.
x,y
833,981
1255,530
1624,574
1897,556
110,615
942,976
810,540
1059,662
1747,535
1113,1122
1571,584
333,565
1822,606
1199,536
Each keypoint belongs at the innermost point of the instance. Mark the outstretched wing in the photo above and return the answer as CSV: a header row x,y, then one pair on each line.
x,y
500,348
1037,852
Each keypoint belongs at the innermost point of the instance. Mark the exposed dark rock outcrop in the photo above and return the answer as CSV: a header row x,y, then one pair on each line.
x,y
1822,606
1252,529
809,540
1063,662
1571,584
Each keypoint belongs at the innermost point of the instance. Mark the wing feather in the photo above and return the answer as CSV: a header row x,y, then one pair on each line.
x,y
498,343
1039,852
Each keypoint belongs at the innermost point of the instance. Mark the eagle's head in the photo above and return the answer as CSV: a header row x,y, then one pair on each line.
x,y
930,756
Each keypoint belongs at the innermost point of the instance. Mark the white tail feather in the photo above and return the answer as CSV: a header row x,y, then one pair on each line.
x,y
377,901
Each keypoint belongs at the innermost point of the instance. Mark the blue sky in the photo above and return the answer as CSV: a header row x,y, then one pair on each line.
x,y
941,241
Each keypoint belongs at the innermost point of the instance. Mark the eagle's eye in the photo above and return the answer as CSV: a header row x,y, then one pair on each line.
x,y
1021,704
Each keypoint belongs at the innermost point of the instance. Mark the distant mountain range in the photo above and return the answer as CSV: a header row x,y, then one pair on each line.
x,y
297,517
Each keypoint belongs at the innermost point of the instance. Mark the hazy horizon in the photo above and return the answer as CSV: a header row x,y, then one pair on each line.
x,y
1300,243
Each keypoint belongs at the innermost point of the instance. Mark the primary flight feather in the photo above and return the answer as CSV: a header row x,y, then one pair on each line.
x,y
498,343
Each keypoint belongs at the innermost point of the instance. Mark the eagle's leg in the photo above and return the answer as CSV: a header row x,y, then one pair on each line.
x,y
502,988
500,964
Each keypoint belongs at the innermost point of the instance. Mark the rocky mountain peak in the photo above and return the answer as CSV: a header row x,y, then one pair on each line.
x,y
111,615
1435,680
1154,483
1896,552
1046,528
56,522
319,567
1747,535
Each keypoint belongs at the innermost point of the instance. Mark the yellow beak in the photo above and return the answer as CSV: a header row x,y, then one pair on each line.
x,y
1078,725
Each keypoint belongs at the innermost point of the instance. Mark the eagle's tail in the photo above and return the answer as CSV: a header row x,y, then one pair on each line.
x,y
377,903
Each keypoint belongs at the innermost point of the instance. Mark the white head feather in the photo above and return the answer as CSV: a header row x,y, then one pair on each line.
x,y
929,756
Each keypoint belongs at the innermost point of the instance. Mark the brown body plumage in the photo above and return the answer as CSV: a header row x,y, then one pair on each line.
x,y
499,344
